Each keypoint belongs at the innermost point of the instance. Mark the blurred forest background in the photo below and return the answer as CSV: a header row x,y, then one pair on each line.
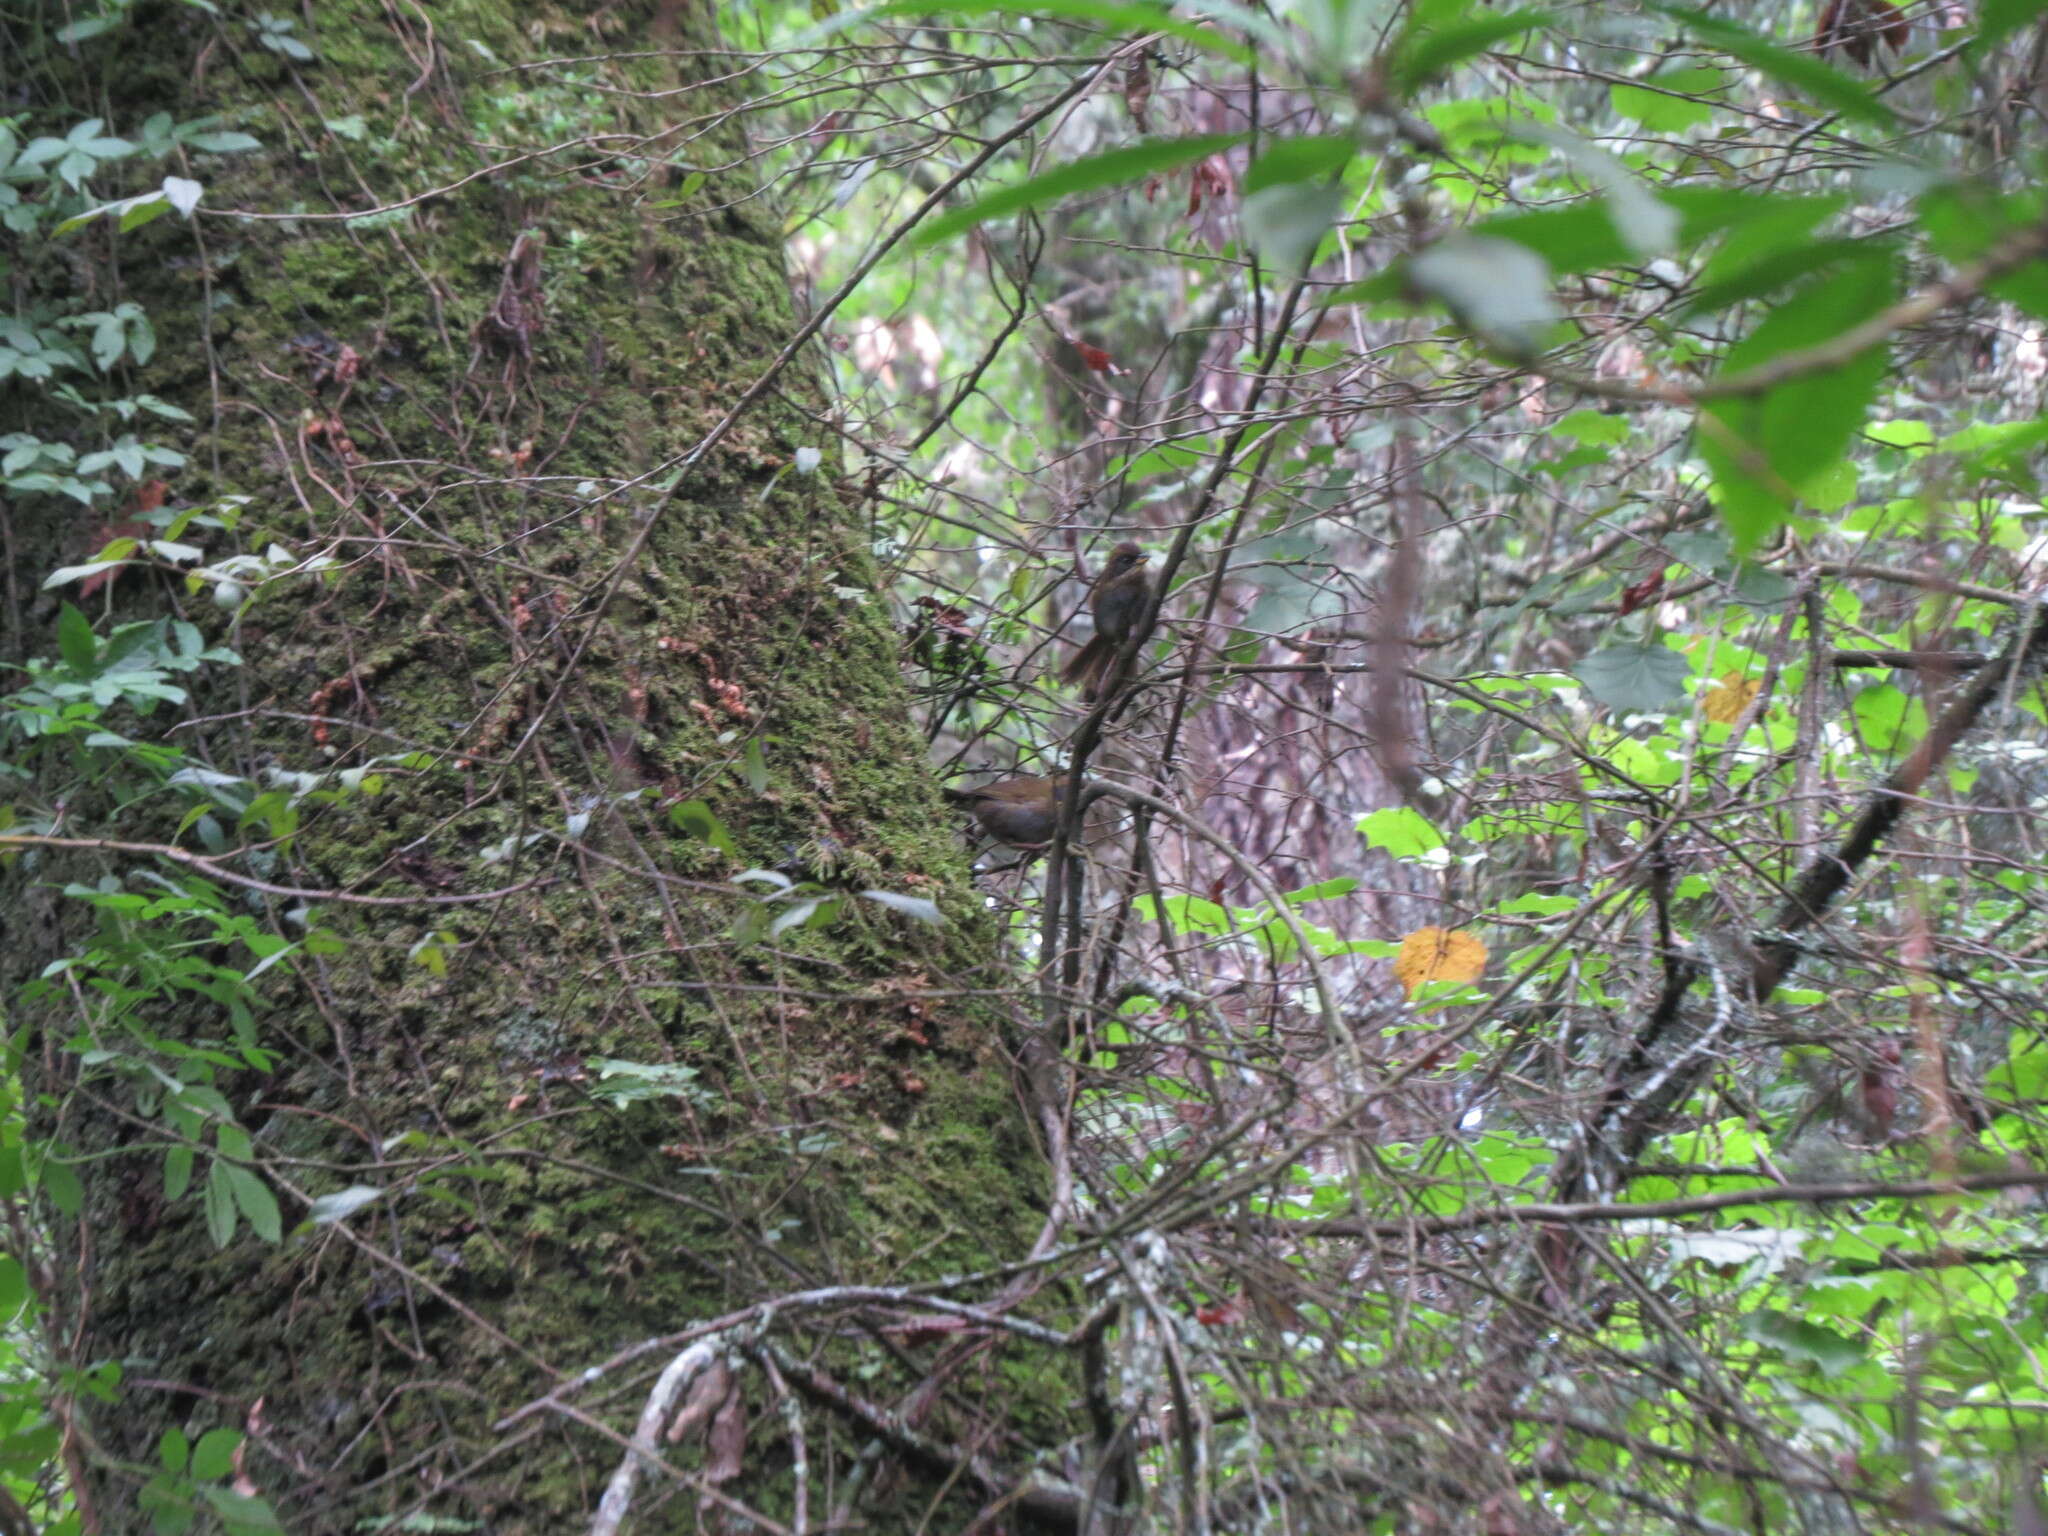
x,y
1531,1008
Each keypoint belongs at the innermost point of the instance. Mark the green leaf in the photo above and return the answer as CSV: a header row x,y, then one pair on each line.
x,y
13,1288
177,1172
1814,80
1403,831
59,1181
756,767
1322,890
1593,428
1582,238
255,1201
1422,59
66,574
242,1514
921,908
1648,224
226,142
173,1450
91,26
75,639
1778,270
1664,102
697,820
1797,1339
1635,679
1496,287
1761,448
214,1455
1285,224
1114,17
1104,170
219,1201
328,1209
1312,157
1999,19
796,915
631,1082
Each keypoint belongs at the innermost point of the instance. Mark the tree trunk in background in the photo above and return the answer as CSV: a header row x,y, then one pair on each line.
x,y
457,396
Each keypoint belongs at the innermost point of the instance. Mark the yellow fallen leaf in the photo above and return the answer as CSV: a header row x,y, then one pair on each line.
x,y
1729,697
1438,954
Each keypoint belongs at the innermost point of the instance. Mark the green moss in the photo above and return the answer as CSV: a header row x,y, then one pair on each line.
x,y
841,1137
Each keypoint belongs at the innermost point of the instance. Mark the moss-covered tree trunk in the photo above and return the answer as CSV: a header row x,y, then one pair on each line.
x,y
585,672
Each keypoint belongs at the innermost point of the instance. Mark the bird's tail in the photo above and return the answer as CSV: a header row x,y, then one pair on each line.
x,y
1084,665
1091,667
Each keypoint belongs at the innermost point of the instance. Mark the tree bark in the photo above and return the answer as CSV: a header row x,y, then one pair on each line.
x,y
475,395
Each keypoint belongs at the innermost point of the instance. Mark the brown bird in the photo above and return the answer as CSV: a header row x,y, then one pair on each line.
x,y
1022,812
1117,601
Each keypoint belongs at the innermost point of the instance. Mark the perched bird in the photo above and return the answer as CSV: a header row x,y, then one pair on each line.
x,y
1021,812
1118,600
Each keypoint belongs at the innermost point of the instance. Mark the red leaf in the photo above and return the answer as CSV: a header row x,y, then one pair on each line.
x,y
1634,597
1210,178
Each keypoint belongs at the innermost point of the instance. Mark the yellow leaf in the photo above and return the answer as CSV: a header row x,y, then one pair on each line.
x,y
1438,954
1728,698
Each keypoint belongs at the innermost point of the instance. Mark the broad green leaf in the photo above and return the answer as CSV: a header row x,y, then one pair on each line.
x,y
1313,157
1635,679
75,639
1999,19
225,142
183,193
1402,831
328,1209
1646,222
242,1514
1112,16
696,819
1285,224
1963,220
1322,890
1762,447
1779,270
1498,288
255,1201
219,1202
923,909
214,1455
13,1288
1105,170
177,1172
64,575
1798,1339
1818,82
1666,101
795,915
1425,56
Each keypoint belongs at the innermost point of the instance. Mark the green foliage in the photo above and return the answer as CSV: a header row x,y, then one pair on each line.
x,y
164,1000
1110,169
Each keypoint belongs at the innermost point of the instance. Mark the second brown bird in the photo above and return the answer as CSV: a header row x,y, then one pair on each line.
x,y
1117,602
1023,812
